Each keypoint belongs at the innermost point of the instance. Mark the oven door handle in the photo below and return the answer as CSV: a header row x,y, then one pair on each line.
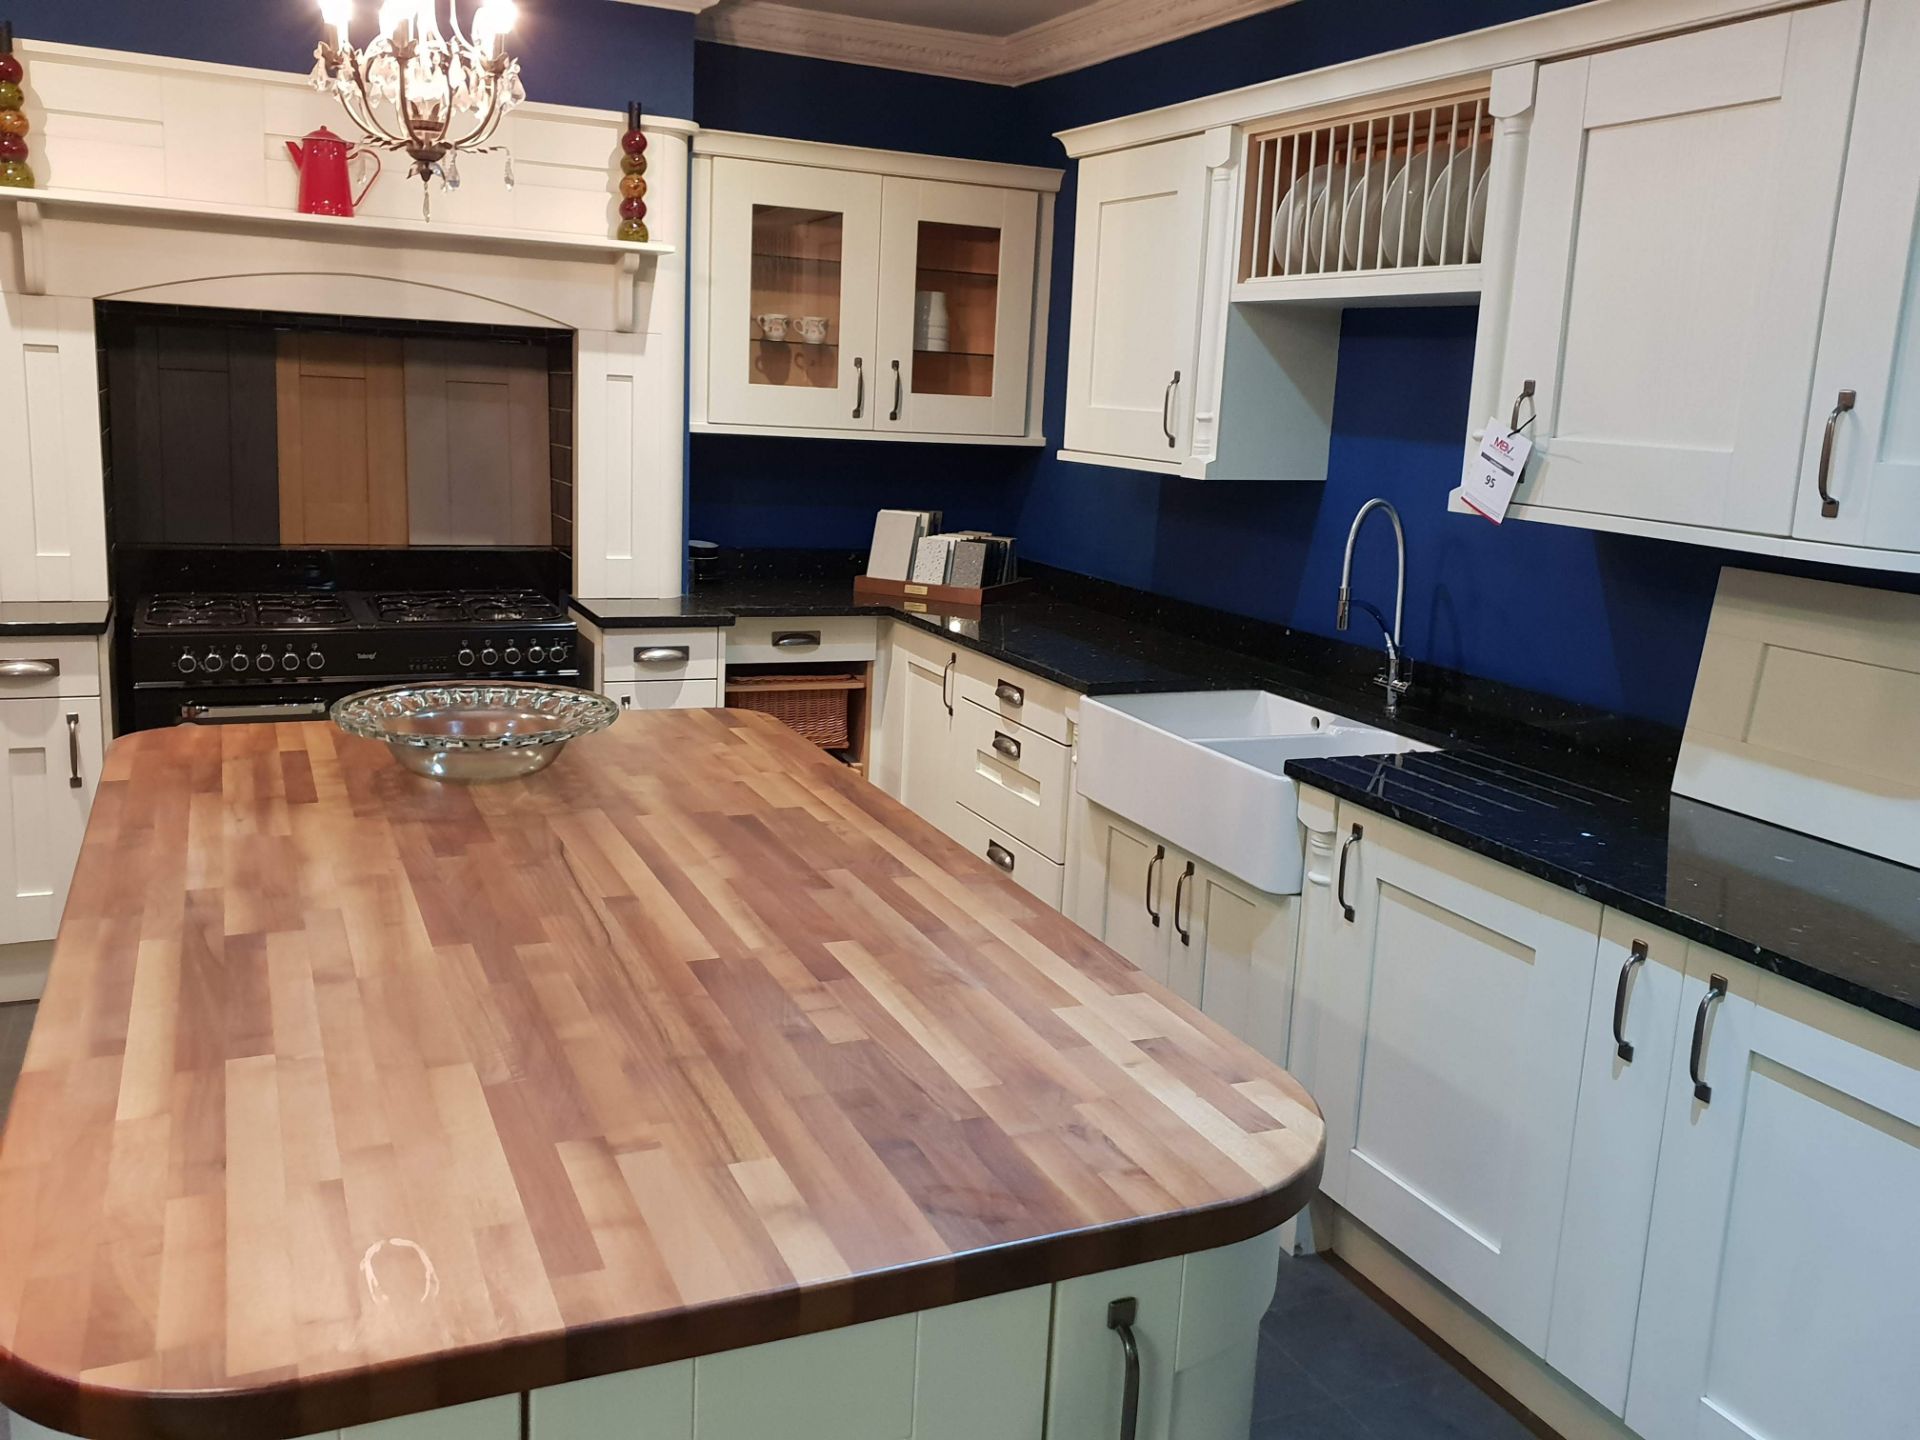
x,y
222,714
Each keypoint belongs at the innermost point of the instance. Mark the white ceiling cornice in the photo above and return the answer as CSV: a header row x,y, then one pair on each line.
x,y
1101,31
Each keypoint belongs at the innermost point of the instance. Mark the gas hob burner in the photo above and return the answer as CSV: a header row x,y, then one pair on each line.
x,y
308,611
184,612
457,606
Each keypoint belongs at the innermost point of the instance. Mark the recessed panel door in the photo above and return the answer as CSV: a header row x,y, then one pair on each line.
x,y
796,256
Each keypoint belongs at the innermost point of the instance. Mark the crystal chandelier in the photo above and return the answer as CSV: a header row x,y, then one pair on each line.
x,y
435,96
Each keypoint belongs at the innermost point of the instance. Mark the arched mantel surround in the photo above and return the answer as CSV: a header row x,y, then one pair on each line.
x,y
168,182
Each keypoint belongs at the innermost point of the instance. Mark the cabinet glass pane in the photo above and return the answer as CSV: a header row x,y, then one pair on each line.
x,y
955,305
794,337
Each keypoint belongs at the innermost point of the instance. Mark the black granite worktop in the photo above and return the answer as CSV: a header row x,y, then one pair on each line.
x,y
1833,919
20,619
1575,796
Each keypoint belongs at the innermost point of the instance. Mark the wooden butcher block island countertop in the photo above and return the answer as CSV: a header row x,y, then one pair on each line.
x,y
354,1094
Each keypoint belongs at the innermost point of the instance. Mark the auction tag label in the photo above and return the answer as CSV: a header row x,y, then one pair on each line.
x,y
1495,471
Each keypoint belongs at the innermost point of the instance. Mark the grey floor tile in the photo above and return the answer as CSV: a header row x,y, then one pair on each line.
x,y
1307,1277
1448,1407
1282,1386
1348,1344
1321,1422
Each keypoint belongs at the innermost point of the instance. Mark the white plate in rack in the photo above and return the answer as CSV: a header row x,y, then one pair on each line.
x,y
1377,203
1292,230
1450,202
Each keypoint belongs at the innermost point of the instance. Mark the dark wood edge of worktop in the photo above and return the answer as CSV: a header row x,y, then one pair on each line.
x,y
284,1407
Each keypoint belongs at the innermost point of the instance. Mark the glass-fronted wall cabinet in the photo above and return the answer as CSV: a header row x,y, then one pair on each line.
x,y
860,292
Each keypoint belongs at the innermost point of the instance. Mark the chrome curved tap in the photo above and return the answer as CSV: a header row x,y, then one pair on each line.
x,y
1394,681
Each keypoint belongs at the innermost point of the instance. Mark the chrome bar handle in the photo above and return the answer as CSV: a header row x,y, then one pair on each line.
x,y
860,388
662,654
73,752
1122,1316
1006,745
1166,410
1716,990
1009,694
946,697
1340,883
795,639
1637,957
29,669
1179,893
276,711
899,393
1000,855
1830,507
1153,865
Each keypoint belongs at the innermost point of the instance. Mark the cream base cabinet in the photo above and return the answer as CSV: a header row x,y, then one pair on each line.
x,y
1449,992
916,726
1139,231
1195,1322
1664,389
1783,1261
1861,486
867,294
52,746
1214,940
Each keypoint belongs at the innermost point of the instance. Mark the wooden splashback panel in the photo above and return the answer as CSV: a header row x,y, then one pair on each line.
x,y
354,1094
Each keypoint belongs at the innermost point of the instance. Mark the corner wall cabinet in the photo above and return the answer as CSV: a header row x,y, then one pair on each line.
x,y
1665,400
862,293
1702,1171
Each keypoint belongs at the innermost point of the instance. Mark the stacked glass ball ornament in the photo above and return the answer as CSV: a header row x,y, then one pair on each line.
x,y
14,169
633,179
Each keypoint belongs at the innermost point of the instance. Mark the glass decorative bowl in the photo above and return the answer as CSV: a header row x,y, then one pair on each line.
x,y
474,733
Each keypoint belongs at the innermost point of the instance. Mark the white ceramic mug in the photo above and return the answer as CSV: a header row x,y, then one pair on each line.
x,y
774,327
812,328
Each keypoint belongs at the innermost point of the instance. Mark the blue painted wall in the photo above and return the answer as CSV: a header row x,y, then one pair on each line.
x,y
1608,620
572,52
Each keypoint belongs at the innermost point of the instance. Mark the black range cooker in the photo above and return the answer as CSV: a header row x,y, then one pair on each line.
x,y
280,655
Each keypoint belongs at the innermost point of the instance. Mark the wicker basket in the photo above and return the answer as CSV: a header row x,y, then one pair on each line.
x,y
820,715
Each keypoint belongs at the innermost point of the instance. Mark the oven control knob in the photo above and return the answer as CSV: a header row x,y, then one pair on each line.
x,y
536,654
264,664
186,664
315,660
212,663
511,655
289,661
489,656
557,653
465,657
240,662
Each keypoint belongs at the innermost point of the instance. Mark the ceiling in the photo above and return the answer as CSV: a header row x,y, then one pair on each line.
x,y
972,17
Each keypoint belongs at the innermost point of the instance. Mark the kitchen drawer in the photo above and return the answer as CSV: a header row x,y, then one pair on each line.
x,y
1036,874
666,694
54,665
1015,695
1015,777
812,637
661,655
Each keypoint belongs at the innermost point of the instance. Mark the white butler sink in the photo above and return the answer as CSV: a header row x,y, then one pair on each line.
x,y
1203,770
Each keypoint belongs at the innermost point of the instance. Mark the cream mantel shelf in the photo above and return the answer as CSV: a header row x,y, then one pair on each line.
x,y
626,256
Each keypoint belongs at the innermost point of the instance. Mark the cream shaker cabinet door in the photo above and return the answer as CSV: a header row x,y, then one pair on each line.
x,y
52,748
1616,1145
1860,462
1242,944
1783,1261
1443,1066
795,266
1678,209
1139,226
956,308
1124,888
922,679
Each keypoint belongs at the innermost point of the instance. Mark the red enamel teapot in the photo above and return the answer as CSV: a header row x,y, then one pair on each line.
x,y
326,187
